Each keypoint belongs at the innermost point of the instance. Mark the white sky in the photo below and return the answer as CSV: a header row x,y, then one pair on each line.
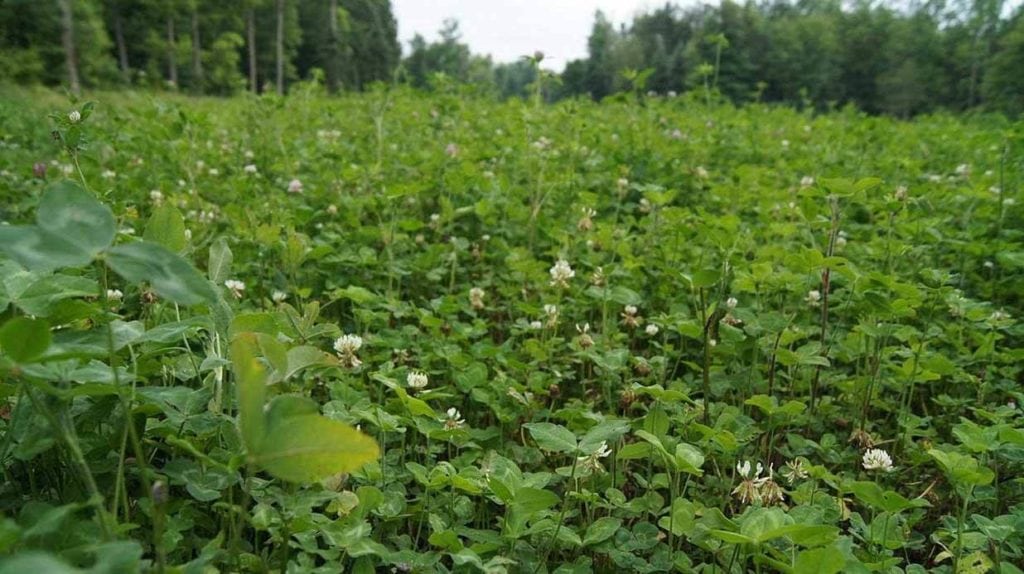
x,y
510,29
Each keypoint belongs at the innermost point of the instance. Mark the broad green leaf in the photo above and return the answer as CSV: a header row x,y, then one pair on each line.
x,y
552,437
688,459
171,276
251,385
40,250
606,431
23,339
828,560
530,500
601,529
218,269
167,227
66,210
310,447
886,500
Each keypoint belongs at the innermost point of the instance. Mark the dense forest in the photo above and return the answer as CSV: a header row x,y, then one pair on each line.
x,y
899,58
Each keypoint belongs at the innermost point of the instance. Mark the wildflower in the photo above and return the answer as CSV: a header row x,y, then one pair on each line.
x,y
748,490
785,144
900,194
525,397
676,134
156,196
213,172
294,186
592,461
536,325
877,459
963,170
551,311
651,329
188,235
114,295
586,223
622,183
561,273
630,318
451,150
278,297
794,471
998,315
416,380
249,154
841,240
347,346
813,298
476,297
731,303
75,116
806,181
236,287
645,206
39,170
250,169
770,492
597,277
108,174
701,172
671,93
585,341
453,420
332,209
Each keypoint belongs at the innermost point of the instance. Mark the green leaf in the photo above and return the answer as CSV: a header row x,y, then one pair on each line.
x,y
601,529
688,459
828,560
251,385
24,339
219,267
305,448
68,211
39,250
605,431
171,276
167,227
552,437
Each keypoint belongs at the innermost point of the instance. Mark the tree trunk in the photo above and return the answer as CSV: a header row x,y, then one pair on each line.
x,y
334,51
172,64
67,38
280,47
122,47
250,29
197,55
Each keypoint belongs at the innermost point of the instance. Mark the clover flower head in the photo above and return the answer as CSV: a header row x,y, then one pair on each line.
x,y
731,303
250,169
813,298
295,186
278,297
651,329
453,419
877,459
236,287
75,116
417,380
114,295
347,346
561,272
476,297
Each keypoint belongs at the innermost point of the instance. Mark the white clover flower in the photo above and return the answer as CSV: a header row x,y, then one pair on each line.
x,y
476,298
998,315
651,329
295,186
332,209
731,303
701,172
188,235
453,420
114,295
622,183
75,116
592,461
156,196
416,380
785,143
451,150
813,298
806,181
743,468
877,459
536,325
346,346
278,297
108,174
249,154
561,273
214,172
250,168
963,170
900,194
236,287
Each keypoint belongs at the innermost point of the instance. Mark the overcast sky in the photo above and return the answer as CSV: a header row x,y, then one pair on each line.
x,y
509,29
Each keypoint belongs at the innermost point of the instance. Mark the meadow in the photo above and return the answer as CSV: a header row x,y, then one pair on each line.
x,y
398,332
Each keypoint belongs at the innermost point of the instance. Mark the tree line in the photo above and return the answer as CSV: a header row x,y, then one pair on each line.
x,y
900,58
